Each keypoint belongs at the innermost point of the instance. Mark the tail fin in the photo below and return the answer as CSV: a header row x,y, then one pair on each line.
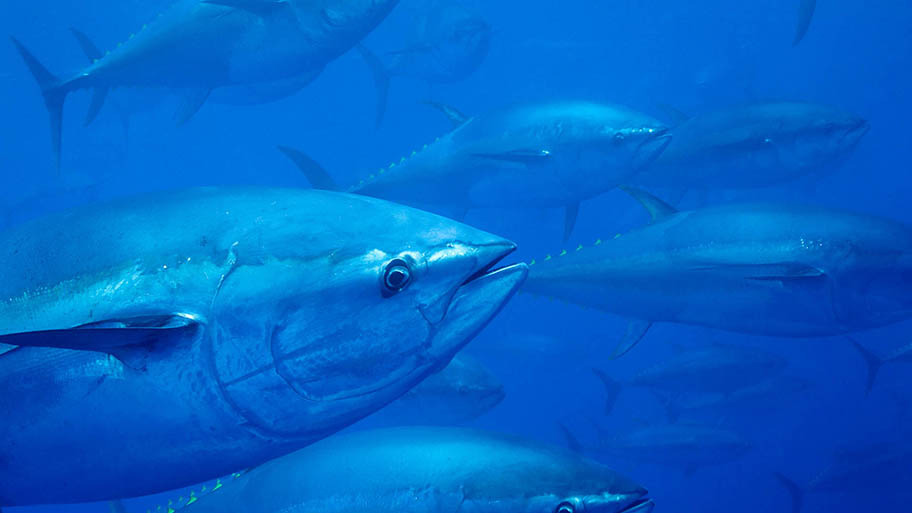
x,y
315,173
381,79
93,53
794,491
612,389
873,361
54,96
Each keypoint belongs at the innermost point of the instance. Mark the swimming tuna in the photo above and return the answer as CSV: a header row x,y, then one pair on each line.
x,y
770,394
714,369
461,392
169,339
879,468
427,470
687,447
198,46
450,43
755,145
553,154
763,269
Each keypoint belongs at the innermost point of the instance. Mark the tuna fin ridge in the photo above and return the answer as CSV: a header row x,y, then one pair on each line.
x,y
109,335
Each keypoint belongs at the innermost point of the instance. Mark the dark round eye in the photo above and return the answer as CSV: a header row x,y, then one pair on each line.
x,y
396,276
565,507
619,137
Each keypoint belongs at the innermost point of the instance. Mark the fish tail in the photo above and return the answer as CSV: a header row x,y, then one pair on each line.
x,y
795,491
612,389
873,361
100,93
381,79
316,175
54,92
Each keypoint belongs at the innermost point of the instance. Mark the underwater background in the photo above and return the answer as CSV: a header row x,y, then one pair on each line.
x,y
696,56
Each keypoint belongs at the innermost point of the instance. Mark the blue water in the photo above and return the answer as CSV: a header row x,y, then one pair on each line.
x,y
697,56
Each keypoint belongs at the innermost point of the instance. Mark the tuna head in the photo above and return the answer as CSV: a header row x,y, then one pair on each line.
x,y
877,293
357,301
596,146
806,136
349,19
569,485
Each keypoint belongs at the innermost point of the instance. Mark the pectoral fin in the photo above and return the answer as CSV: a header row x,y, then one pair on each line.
x,y
636,330
454,115
192,103
109,335
520,156
805,15
777,271
258,7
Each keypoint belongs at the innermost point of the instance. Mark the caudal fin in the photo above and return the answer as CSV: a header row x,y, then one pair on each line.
x,y
612,389
314,172
93,54
52,91
795,491
873,362
381,79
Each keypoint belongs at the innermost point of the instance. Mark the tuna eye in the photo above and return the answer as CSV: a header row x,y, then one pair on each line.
x,y
565,507
396,276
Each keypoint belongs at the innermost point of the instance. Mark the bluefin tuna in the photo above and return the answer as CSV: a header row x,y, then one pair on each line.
x,y
450,43
427,470
770,394
714,369
871,469
461,392
688,447
173,338
552,154
764,269
199,46
755,145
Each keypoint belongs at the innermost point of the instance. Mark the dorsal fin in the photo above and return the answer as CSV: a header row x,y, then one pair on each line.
x,y
454,115
316,175
657,208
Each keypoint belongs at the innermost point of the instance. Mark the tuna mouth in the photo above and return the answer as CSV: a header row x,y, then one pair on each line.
x,y
492,254
653,147
644,505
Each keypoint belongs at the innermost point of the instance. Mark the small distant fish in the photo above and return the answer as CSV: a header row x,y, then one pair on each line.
x,y
425,470
870,469
548,154
772,392
756,145
201,46
714,369
688,447
461,392
450,43
805,15
764,269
